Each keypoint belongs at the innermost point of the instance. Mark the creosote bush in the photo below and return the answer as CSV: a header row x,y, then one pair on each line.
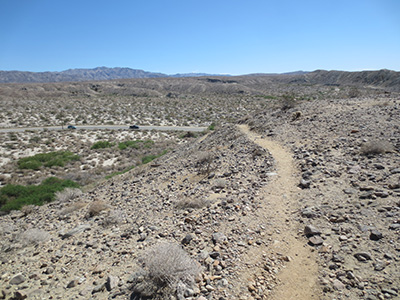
x,y
48,160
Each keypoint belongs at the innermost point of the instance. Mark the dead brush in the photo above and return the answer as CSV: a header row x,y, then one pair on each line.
x,y
166,269
191,203
375,147
96,207
68,194
71,208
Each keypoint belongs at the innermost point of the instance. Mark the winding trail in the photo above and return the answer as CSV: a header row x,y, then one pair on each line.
x,y
298,278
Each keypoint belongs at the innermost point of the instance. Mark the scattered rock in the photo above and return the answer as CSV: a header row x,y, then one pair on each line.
x,y
375,235
17,279
310,230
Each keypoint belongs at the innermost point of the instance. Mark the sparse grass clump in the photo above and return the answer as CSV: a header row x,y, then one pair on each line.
x,y
51,159
14,197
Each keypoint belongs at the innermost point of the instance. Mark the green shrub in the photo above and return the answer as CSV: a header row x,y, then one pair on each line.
x,y
14,197
102,145
57,158
212,126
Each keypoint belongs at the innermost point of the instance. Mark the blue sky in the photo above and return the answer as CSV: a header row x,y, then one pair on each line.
x,y
183,36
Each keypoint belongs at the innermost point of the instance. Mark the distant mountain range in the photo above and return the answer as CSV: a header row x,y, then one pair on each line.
x,y
100,73
382,78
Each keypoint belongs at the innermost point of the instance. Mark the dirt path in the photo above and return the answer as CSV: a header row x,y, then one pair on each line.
x,y
298,278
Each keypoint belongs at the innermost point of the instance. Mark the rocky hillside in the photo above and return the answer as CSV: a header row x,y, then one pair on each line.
x,y
300,200
348,155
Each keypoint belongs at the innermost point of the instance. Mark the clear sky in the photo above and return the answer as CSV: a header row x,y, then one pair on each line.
x,y
211,36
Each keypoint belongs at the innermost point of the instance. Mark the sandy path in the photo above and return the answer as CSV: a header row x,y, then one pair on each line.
x,y
298,279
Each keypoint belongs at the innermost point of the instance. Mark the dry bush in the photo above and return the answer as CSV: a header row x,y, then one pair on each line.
x,y
73,207
204,160
96,207
191,203
28,209
114,217
354,92
219,183
34,236
376,147
167,269
68,194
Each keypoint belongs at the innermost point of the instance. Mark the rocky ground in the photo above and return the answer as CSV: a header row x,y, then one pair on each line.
x,y
301,201
348,154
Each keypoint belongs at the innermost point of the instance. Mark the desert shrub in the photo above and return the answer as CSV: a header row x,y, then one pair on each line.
x,y
28,209
71,208
219,184
96,207
68,194
191,203
34,236
203,162
354,92
14,197
114,217
167,268
288,101
212,126
189,134
136,144
57,158
375,147
102,145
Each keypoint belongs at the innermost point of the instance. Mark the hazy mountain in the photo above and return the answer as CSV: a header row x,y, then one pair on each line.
x,y
100,73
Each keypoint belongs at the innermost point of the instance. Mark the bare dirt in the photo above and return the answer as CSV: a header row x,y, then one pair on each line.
x,y
298,279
